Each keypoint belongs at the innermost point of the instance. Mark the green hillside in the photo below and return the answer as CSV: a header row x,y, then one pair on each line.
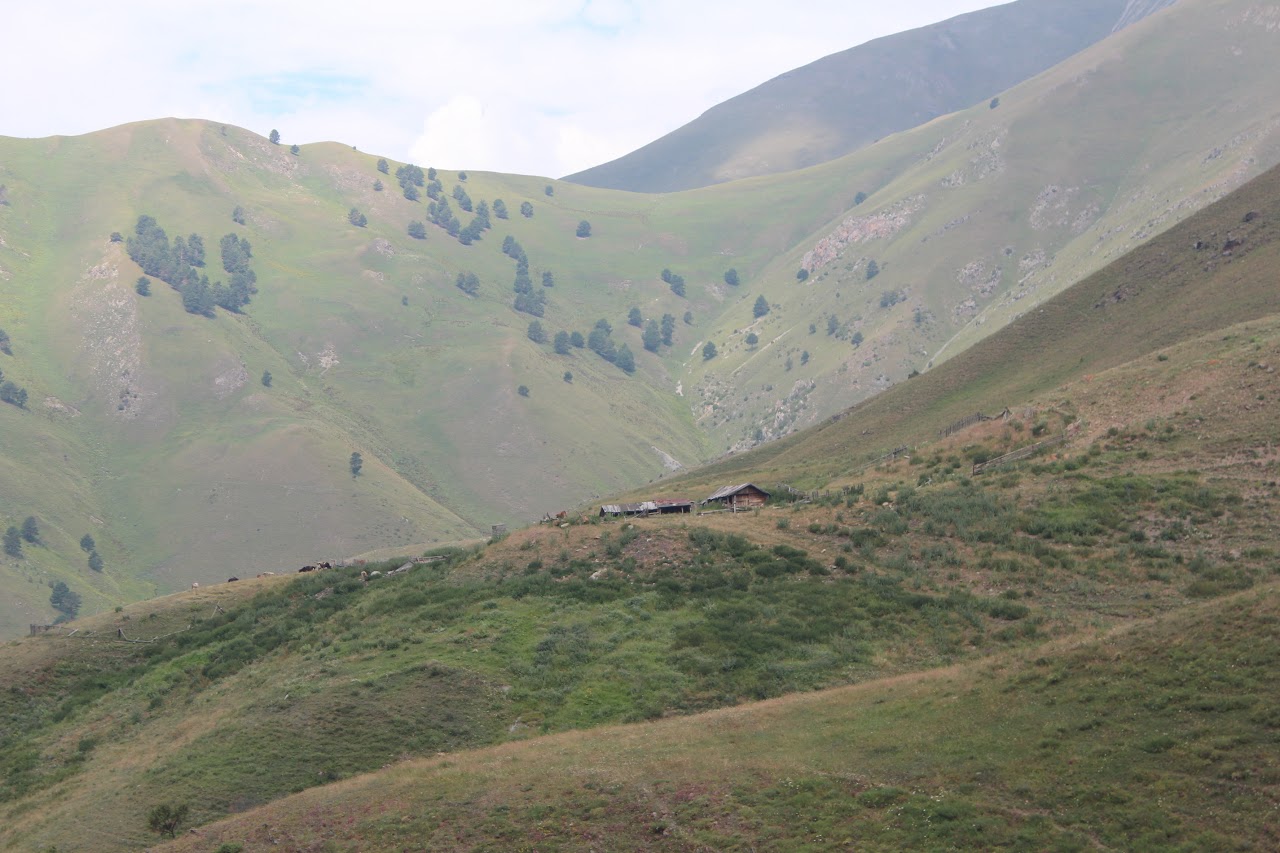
x,y
1160,737
1067,651
848,100
149,428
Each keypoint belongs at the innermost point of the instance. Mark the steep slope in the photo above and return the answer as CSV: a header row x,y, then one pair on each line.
x,y
846,101
1000,210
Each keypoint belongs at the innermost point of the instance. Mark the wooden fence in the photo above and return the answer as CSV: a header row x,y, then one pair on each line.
x,y
964,423
1030,450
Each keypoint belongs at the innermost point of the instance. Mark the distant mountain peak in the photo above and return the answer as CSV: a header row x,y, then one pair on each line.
x,y
1139,9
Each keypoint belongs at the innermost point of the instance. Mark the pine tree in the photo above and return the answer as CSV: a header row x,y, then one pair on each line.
x,y
761,307
95,562
652,337
13,542
668,328
357,463
31,530
87,544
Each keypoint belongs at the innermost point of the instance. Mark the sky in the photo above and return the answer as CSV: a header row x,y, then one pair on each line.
x,y
542,87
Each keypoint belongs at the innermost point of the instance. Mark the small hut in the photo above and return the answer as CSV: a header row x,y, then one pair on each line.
x,y
737,498
673,507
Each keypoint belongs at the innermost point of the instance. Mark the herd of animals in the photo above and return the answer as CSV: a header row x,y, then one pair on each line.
x,y
364,576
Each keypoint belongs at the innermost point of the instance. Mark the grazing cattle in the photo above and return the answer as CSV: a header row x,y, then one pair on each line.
x,y
195,585
364,576
232,580
326,565
307,569
375,574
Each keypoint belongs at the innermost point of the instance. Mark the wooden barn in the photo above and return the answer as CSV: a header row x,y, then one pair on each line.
x,y
737,498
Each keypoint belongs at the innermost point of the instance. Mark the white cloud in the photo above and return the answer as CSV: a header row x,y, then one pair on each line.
x,y
539,86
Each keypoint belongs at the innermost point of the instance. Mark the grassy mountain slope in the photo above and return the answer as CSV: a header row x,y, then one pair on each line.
x,y
1164,497
148,427
1179,286
848,100
1002,209
1162,736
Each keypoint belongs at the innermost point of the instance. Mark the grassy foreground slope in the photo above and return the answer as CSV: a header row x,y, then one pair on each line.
x,y
1162,736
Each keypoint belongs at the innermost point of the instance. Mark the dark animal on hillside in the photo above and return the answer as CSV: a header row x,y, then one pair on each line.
x,y
232,580
325,565
307,569
562,514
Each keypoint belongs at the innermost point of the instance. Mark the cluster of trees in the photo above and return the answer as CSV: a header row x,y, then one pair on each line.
x,y
65,601
499,208
601,342
441,214
526,209
356,218
461,197
91,548
179,265
243,281
468,283
675,280
760,308
14,536
6,346
873,270
528,300
12,393
890,298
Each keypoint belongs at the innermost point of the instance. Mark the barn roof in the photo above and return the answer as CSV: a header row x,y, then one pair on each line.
x,y
661,502
729,491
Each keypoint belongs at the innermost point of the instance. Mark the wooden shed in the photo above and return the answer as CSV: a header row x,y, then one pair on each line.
x,y
736,498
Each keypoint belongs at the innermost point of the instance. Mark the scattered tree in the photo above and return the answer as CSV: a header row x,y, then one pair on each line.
x,y
995,102
890,298
526,209
761,307
31,530
462,176
523,390
87,544
813,329
417,230
584,229
857,339
294,150
356,218
357,463
5,344
499,208
731,277
410,175
266,379
95,562
668,328
709,351
377,185
568,377
13,542
873,270
548,280
577,340
652,338
536,333
142,286
117,237
561,343
833,324
468,283
802,274
165,819
634,318
432,174
625,360
688,318
13,395
411,193
383,166
64,601
804,357
274,137
549,190
237,215
859,198
752,339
